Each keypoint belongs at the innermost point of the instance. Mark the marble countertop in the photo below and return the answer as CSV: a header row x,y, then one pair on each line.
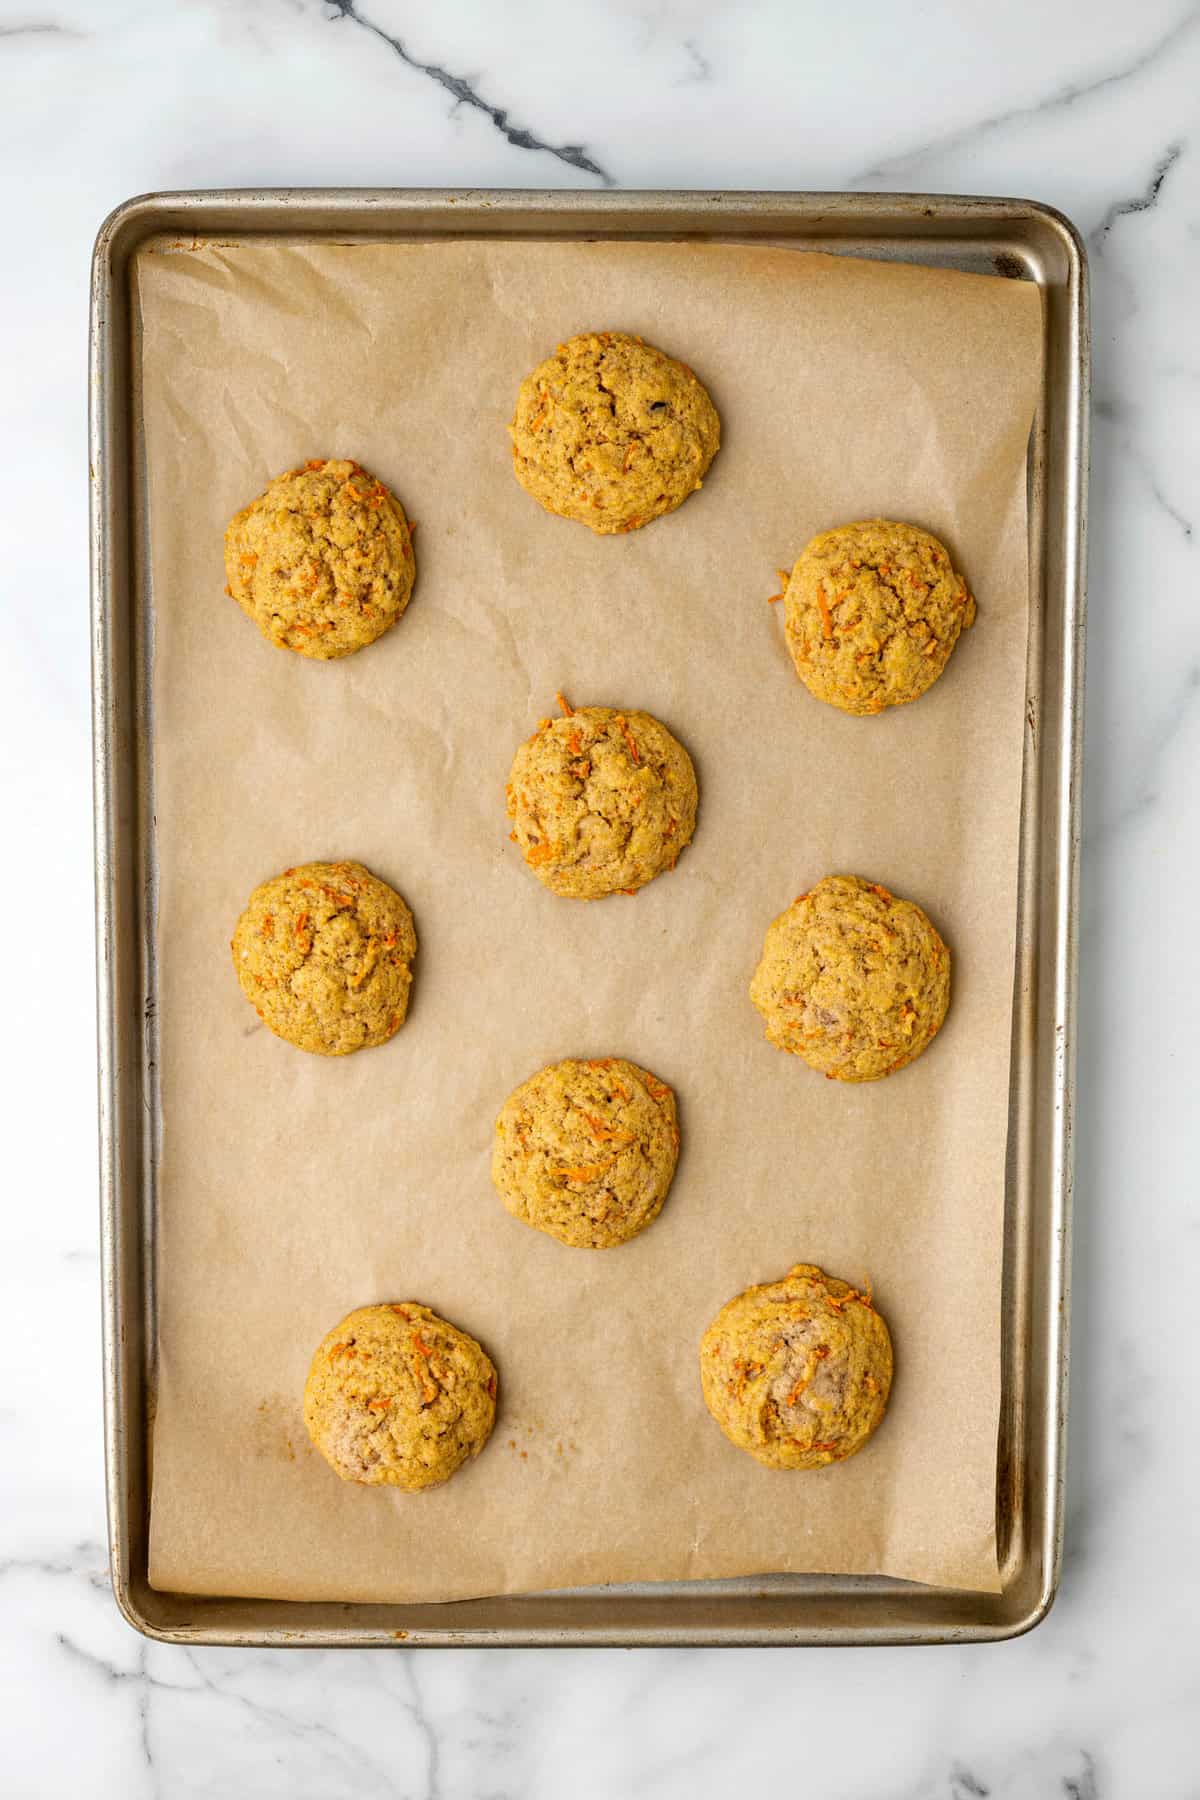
x,y
1091,108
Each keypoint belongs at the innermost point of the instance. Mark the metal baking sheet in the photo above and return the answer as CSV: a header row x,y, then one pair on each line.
x,y
1015,238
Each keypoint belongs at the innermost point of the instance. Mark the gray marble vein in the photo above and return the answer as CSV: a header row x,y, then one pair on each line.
x,y
1068,94
40,28
464,94
1140,203
699,68
1085,1785
966,1786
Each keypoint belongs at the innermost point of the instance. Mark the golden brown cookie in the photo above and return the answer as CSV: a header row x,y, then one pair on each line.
x,y
852,979
797,1372
872,612
323,561
323,953
612,432
586,1151
397,1397
601,801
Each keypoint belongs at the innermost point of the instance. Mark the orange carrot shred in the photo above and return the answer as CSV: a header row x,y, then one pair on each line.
x,y
567,708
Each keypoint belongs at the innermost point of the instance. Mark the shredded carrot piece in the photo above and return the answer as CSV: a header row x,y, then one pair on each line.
x,y
540,853
378,1405
317,463
568,709
420,1346
826,615
605,1134
580,1172
630,891
772,598
849,1298
623,724
575,743
657,1090
881,891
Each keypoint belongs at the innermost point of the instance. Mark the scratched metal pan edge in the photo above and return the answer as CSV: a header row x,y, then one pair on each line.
x,y
1018,238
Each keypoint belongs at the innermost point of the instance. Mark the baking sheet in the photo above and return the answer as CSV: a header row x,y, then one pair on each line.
x,y
292,1188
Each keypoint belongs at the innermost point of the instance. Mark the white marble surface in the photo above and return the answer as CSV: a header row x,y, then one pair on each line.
x,y
1092,107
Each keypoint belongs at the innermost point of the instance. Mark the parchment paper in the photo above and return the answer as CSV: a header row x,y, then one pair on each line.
x,y
294,1188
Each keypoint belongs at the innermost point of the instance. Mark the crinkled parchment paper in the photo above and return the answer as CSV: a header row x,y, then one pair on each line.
x,y
294,1188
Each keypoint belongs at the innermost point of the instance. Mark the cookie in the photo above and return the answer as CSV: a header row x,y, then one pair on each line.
x,y
872,612
601,801
323,561
585,1151
323,953
797,1372
397,1397
853,980
612,432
